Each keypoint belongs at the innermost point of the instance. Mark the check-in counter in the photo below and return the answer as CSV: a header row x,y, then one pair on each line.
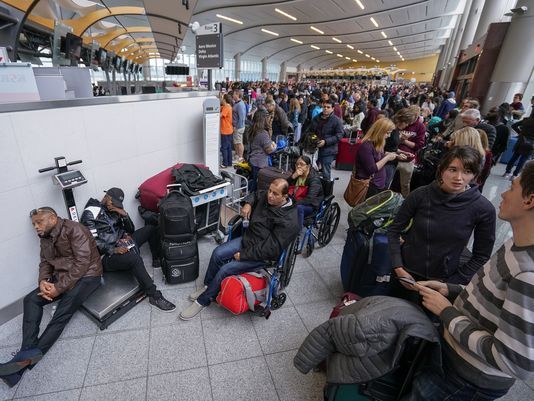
x,y
122,141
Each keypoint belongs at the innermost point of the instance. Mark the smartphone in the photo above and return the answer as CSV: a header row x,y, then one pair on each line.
x,y
407,280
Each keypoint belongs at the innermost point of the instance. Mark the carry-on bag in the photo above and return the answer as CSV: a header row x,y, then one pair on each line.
x,y
180,271
176,218
155,188
243,292
269,174
346,154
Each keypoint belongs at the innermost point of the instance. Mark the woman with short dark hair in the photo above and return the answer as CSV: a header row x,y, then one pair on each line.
x,y
441,218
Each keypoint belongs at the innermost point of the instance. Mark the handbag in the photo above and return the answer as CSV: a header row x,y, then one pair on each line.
x,y
357,188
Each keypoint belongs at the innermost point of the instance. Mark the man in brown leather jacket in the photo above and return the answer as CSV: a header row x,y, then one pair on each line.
x,y
69,271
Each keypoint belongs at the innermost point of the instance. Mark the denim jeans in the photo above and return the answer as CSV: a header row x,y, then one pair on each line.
x,y
303,212
430,386
222,264
226,149
522,160
390,169
326,165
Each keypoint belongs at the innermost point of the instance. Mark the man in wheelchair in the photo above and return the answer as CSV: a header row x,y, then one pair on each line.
x,y
273,226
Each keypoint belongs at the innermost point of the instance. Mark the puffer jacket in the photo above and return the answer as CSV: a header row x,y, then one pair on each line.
x,y
107,227
68,254
367,340
315,195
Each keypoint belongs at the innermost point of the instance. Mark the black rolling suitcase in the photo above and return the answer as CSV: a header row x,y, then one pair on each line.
x,y
179,241
269,174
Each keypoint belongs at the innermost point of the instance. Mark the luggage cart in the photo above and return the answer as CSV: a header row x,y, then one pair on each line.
x,y
231,206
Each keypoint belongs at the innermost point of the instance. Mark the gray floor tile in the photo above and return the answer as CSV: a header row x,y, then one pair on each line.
x,y
314,314
324,258
136,318
69,395
218,312
292,385
301,265
307,287
79,325
244,380
118,356
62,368
176,347
129,390
283,331
332,278
178,297
230,339
191,385
7,393
519,392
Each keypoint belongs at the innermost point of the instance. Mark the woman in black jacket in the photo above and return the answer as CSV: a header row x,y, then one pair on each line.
x,y
442,216
306,188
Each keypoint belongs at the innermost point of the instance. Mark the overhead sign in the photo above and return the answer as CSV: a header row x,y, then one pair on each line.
x,y
209,50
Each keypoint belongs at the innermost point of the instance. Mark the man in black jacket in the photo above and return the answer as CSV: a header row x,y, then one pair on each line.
x,y
119,242
329,130
273,226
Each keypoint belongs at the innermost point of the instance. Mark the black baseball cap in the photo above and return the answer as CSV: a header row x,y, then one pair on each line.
x,y
116,195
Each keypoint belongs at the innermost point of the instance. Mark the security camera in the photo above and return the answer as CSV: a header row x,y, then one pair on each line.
x,y
182,49
517,11
194,26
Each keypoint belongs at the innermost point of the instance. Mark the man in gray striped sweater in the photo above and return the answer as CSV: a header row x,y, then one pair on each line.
x,y
489,329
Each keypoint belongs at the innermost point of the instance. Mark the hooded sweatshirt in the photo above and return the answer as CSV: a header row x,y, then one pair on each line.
x,y
445,107
441,228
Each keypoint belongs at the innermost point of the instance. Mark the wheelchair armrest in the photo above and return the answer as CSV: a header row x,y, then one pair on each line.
x,y
235,227
328,199
234,220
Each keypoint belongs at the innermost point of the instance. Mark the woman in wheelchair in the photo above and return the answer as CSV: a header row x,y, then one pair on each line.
x,y
306,188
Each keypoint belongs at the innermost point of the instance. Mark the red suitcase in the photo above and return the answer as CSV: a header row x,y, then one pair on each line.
x,y
346,153
153,189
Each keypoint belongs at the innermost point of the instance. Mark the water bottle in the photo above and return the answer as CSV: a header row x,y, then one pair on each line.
x,y
246,222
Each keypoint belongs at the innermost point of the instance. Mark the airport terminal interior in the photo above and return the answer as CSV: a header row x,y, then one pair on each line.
x,y
174,116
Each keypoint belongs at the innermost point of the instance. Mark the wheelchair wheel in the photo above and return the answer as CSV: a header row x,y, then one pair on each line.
x,y
328,224
278,301
289,265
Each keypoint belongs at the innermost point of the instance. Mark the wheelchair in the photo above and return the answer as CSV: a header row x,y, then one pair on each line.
x,y
323,225
279,271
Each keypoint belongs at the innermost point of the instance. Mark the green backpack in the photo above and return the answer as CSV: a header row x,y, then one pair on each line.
x,y
378,211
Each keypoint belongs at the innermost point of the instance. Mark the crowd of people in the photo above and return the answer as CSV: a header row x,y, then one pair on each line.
x,y
483,303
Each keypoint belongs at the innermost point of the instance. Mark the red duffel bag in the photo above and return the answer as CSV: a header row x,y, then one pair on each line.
x,y
243,292
155,188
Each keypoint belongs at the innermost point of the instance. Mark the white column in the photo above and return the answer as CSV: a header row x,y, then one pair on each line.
x,y
493,11
515,66
237,69
472,22
264,68
283,72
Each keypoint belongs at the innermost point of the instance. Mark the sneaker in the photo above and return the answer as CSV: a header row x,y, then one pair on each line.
x,y
162,304
194,296
507,176
222,166
156,262
21,360
193,310
513,177
12,379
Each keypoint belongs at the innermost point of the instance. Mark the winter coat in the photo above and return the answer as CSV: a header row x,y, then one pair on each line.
x,y
445,107
441,225
314,197
107,227
367,340
68,254
331,131
525,141
271,229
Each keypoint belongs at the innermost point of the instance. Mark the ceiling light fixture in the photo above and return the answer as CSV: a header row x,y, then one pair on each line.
x,y
337,40
315,47
348,58
374,22
339,55
296,41
377,60
372,58
355,60
391,44
229,19
316,30
384,34
285,14
398,53
394,48
328,51
368,56
270,32
360,4
359,51
350,47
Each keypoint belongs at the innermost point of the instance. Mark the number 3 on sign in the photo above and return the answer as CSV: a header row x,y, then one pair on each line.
x,y
215,28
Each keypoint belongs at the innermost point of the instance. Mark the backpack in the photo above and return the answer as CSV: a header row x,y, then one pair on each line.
x,y
243,292
378,211
194,179
176,217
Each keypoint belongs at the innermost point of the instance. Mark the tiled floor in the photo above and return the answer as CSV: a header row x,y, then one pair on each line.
x,y
150,355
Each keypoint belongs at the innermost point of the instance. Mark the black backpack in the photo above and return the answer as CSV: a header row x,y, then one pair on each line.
x,y
193,178
176,218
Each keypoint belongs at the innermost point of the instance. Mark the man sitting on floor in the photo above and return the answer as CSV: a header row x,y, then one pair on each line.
x,y
69,271
119,242
489,329
273,226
